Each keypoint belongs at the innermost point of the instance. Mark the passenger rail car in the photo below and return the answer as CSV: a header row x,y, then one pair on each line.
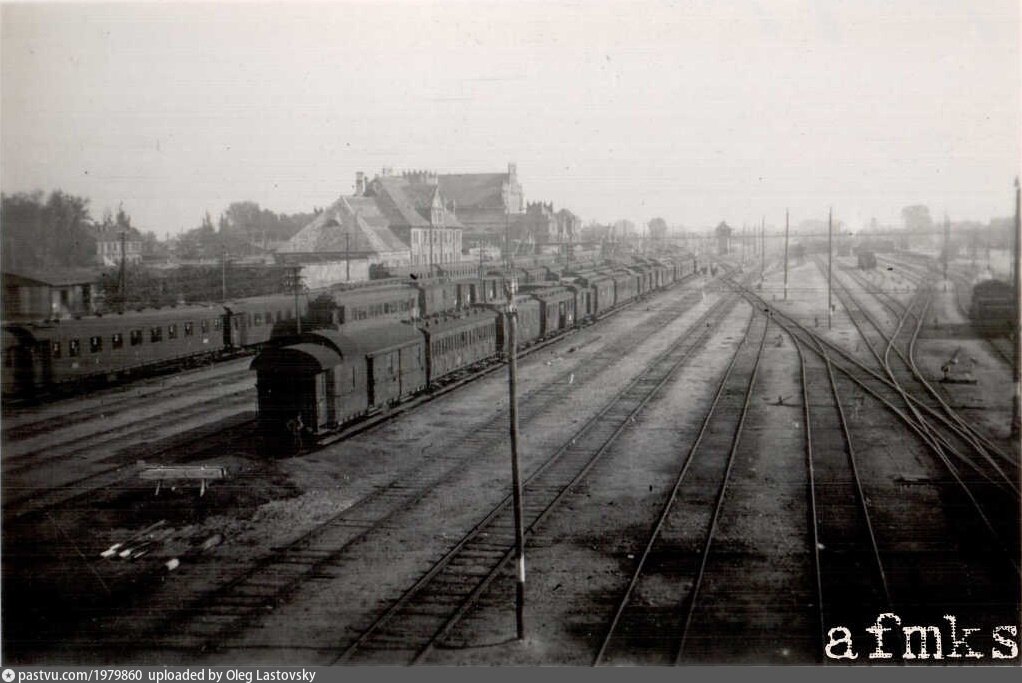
x,y
51,354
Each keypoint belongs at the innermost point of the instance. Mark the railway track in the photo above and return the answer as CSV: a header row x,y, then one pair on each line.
x,y
87,408
178,448
1000,539
849,576
952,435
653,616
208,619
421,619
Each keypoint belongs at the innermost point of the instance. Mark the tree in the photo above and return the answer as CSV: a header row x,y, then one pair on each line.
x,y
917,218
657,229
50,233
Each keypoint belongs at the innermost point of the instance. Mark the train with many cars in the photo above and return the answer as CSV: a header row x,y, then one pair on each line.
x,y
48,356
314,383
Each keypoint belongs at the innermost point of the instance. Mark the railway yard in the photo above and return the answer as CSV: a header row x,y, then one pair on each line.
x,y
712,473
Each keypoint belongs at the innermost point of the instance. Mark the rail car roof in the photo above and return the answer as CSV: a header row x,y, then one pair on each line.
x,y
388,293
315,357
375,336
446,324
126,320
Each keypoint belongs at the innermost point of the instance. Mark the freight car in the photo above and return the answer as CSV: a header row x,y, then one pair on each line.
x,y
867,260
994,307
317,382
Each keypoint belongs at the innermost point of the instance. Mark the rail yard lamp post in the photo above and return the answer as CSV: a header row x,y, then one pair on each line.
x,y
510,289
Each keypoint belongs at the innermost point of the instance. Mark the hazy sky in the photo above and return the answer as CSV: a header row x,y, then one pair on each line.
x,y
694,111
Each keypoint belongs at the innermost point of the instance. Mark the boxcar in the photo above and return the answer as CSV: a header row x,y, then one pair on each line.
x,y
457,341
315,383
557,308
395,359
583,299
529,325
436,296
625,287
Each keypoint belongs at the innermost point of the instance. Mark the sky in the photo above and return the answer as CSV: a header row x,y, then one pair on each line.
x,y
693,111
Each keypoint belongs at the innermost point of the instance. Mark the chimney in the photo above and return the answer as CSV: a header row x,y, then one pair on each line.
x,y
360,184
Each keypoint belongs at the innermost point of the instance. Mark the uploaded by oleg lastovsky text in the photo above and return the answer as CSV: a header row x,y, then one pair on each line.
x,y
944,641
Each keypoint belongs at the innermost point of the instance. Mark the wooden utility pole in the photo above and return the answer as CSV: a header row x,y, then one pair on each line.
x,y
431,249
947,246
294,282
223,274
1016,427
123,283
347,257
762,247
785,254
830,265
516,476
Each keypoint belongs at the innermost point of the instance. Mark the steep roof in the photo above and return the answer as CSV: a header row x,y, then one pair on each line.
x,y
475,190
55,277
359,217
407,203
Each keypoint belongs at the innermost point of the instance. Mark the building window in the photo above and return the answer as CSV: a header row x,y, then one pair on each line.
x,y
136,337
117,341
95,344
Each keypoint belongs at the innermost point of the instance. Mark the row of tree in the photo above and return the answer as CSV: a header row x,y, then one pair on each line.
x,y
56,230
42,231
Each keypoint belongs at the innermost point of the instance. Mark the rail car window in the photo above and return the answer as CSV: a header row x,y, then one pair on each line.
x,y
95,344
172,331
189,329
74,348
117,341
55,349
258,320
136,337
269,317
156,334
216,323
204,326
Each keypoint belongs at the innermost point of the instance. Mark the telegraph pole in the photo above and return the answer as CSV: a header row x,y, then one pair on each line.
x,y
830,264
123,284
1017,272
762,247
294,281
223,274
785,254
516,476
947,246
